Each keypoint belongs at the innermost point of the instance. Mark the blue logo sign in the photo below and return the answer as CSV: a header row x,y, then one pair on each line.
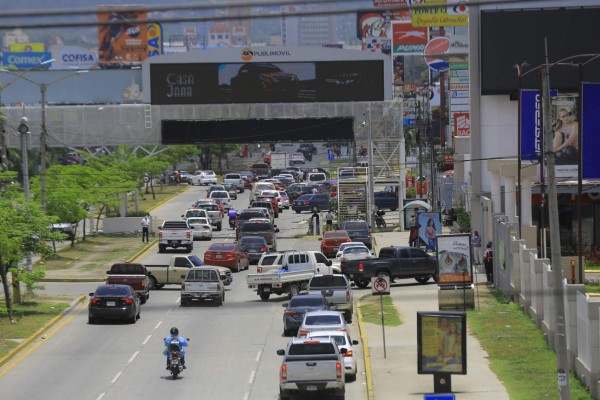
x,y
590,120
25,60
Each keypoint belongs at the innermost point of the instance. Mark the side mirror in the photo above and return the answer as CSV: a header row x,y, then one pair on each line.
x,y
107,272
329,263
182,276
343,351
284,305
91,294
281,352
276,230
355,342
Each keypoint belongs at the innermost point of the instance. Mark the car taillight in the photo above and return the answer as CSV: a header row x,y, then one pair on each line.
x,y
289,313
187,234
160,234
96,300
263,249
182,285
283,372
258,270
342,329
348,353
302,332
270,237
128,300
361,267
347,296
306,203
338,370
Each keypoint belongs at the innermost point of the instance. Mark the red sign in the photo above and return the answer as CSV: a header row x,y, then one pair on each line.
x,y
408,39
434,49
462,124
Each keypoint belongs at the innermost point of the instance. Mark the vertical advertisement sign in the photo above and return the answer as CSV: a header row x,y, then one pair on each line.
x,y
565,131
123,40
441,342
430,226
590,119
454,259
531,124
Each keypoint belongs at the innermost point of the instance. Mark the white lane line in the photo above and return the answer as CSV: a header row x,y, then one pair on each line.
x,y
133,357
177,301
252,374
169,312
116,377
100,396
147,339
157,325
246,395
258,356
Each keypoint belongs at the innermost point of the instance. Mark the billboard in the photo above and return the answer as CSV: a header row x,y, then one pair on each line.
x,y
123,40
266,82
590,119
26,60
454,259
441,342
408,39
430,225
456,13
27,47
67,57
565,131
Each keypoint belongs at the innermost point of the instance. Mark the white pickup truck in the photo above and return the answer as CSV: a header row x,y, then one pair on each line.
x,y
202,283
312,366
175,234
297,267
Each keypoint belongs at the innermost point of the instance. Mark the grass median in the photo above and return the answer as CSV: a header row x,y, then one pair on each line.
x,y
370,308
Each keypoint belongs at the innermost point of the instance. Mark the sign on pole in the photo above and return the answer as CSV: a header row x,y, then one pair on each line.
x,y
330,155
380,285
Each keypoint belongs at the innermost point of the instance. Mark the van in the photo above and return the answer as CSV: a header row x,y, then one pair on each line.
x,y
316,177
261,170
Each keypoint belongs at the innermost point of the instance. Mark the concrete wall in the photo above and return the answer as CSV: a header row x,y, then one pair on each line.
x,y
127,224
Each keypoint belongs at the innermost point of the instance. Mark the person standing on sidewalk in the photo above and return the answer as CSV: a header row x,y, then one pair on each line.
x,y
329,221
413,236
476,243
146,228
488,262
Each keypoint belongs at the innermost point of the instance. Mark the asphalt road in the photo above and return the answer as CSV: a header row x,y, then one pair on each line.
x,y
232,353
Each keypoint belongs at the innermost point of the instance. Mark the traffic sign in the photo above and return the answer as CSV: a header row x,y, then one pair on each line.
x,y
380,285
330,155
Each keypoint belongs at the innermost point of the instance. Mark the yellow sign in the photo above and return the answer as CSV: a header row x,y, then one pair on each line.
x,y
27,48
452,15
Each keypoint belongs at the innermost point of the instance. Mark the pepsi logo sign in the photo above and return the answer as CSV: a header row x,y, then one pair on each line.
x,y
434,49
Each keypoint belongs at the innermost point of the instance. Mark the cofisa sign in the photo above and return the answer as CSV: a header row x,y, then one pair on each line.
x,y
26,60
68,57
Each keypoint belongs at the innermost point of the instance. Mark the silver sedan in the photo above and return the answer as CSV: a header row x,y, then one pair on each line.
x,y
200,227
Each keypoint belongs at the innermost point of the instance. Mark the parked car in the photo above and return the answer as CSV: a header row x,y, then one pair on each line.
x,y
311,202
332,240
185,177
343,341
254,247
66,228
200,227
114,302
359,231
297,307
226,255
322,321
204,178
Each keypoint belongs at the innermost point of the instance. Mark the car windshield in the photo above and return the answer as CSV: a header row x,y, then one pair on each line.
x,y
268,260
209,173
219,195
340,340
196,261
194,221
110,290
327,281
356,225
302,349
322,320
251,214
209,207
233,176
257,240
302,301
355,250
329,235
256,227
221,247
195,213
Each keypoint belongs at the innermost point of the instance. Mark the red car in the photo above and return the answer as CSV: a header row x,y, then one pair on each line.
x,y
226,255
332,241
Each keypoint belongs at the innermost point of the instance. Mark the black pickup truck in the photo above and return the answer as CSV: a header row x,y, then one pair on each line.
x,y
396,262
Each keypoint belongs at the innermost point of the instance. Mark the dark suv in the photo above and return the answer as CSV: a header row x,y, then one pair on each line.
x,y
261,229
311,202
359,231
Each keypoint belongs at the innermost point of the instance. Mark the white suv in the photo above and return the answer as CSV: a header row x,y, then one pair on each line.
x,y
204,178
235,180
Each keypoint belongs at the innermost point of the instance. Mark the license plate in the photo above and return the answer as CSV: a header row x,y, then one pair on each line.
x,y
266,289
218,256
110,304
311,388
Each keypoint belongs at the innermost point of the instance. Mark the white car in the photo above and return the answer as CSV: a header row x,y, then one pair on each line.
x,y
343,341
297,158
204,178
200,227
356,253
221,197
283,200
343,246
322,321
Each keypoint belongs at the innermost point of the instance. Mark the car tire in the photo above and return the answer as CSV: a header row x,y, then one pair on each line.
x,y
297,211
383,275
284,395
161,248
133,319
219,301
265,296
348,316
361,283
219,227
350,377
238,267
183,302
422,280
190,248
91,320
143,300
152,285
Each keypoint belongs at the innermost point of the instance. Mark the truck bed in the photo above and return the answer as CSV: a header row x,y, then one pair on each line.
x,y
279,277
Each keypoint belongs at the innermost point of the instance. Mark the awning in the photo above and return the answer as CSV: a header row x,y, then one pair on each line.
x,y
417,203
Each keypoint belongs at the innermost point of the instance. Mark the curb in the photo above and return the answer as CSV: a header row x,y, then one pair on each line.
x,y
366,354
40,331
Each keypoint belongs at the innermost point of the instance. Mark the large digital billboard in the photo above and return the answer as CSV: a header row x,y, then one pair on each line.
x,y
512,37
266,82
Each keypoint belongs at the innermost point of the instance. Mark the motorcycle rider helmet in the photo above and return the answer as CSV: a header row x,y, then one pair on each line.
x,y
174,331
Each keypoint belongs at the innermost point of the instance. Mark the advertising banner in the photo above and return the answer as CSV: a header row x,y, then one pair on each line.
x,y
456,13
454,259
408,39
27,47
565,129
441,342
590,118
23,60
531,124
124,41
399,15
66,57
155,39
430,226
462,123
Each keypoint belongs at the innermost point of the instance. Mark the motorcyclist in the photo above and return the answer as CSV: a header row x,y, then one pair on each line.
x,y
182,343
232,214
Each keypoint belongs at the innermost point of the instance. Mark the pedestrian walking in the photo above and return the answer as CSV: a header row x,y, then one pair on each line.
x,y
488,262
476,243
413,236
146,228
329,221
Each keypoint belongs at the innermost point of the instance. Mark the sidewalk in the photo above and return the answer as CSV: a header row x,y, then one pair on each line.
x,y
395,377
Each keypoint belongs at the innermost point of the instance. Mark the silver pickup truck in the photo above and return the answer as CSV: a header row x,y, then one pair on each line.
x,y
336,288
202,283
215,215
175,234
312,366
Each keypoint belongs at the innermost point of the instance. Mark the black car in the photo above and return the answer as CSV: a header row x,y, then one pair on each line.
x,y
254,246
359,231
297,307
66,228
114,302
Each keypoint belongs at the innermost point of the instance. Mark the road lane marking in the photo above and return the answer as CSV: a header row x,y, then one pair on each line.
x,y
146,341
48,336
157,325
133,357
252,375
246,395
116,377
100,396
257,359
177,301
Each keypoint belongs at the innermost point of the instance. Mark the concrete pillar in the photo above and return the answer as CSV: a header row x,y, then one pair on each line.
x,y
526,200
494,168
510,204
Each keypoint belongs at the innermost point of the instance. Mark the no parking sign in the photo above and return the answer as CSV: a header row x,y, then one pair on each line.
x,y
380,285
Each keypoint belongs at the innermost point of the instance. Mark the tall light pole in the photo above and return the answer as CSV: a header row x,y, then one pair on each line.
x,y
43,134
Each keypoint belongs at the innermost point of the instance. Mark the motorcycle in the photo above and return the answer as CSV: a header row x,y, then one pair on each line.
x,y
175,358
232,222
379,220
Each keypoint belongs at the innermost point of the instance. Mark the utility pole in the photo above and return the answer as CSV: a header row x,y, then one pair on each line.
x,y
43,149
562,367
371,173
